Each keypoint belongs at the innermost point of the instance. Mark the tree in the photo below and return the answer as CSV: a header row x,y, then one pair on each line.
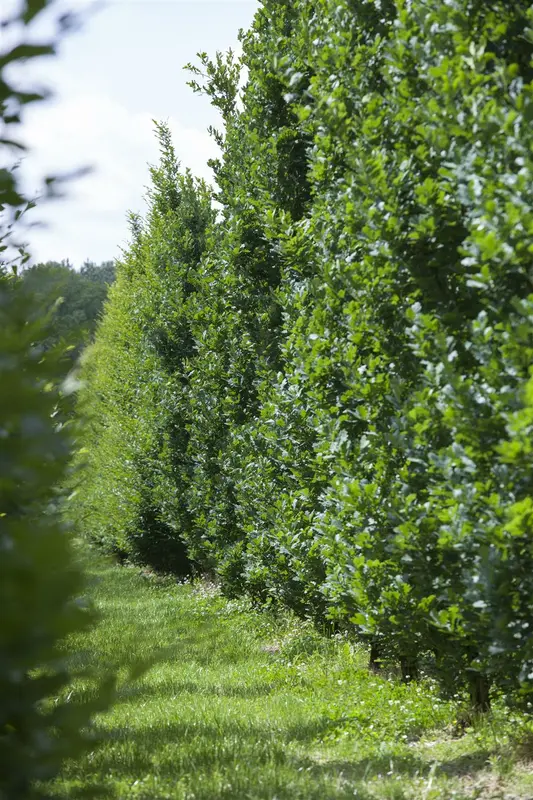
x,y
347,376
133,495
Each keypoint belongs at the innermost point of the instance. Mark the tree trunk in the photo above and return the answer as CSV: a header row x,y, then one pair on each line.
x,y
409,667
479,687
374,664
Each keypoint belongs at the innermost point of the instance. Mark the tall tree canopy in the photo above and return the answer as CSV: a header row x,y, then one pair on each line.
x,y
324,393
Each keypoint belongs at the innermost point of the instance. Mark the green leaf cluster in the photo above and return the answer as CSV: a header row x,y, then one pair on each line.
x,y
41,584
135,399
348,424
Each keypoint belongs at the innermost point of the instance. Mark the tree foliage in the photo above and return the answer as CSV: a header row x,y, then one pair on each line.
x,y
80,297
133,493
40,583
347,428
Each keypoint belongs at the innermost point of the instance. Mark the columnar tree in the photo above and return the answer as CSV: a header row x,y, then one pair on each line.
x,y
133,497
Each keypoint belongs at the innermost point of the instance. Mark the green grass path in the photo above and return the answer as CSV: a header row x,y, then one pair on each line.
x,y
246,706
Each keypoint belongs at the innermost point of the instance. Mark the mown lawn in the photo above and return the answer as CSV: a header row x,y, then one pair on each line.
x,y
244,705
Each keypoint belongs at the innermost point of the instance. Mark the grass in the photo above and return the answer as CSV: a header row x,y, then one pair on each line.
x,y
248,706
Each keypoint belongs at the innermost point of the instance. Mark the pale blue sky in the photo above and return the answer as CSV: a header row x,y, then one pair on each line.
x,y
111,79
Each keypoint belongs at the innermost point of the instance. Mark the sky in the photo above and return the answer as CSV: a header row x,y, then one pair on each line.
x,y
120,71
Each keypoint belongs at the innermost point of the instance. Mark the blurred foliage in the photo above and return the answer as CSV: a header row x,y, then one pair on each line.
x,y
334,412
40,586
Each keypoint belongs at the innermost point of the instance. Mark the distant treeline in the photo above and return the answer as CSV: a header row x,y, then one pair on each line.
x,y
79,296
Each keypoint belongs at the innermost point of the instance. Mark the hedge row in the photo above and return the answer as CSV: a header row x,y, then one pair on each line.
x,y
324,393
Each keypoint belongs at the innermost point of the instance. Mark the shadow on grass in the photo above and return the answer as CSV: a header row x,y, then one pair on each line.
x,y
178,748
409,766
464,765
176,688
257,759
192,749
90,791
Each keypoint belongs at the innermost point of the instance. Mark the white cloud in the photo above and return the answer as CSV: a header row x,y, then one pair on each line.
x,y
89,128
121,69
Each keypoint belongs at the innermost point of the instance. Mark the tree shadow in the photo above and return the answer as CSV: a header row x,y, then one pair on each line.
x,y
90,791
407,765
208,749
467,764
175,688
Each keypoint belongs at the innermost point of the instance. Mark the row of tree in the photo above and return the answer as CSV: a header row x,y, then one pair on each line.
x,y
79,298
320,386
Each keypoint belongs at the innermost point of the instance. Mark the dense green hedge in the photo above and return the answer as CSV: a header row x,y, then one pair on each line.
x,y
133,495
341,420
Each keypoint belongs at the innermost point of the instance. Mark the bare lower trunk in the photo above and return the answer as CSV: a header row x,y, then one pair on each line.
x,y
479,688
374,663
409,667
